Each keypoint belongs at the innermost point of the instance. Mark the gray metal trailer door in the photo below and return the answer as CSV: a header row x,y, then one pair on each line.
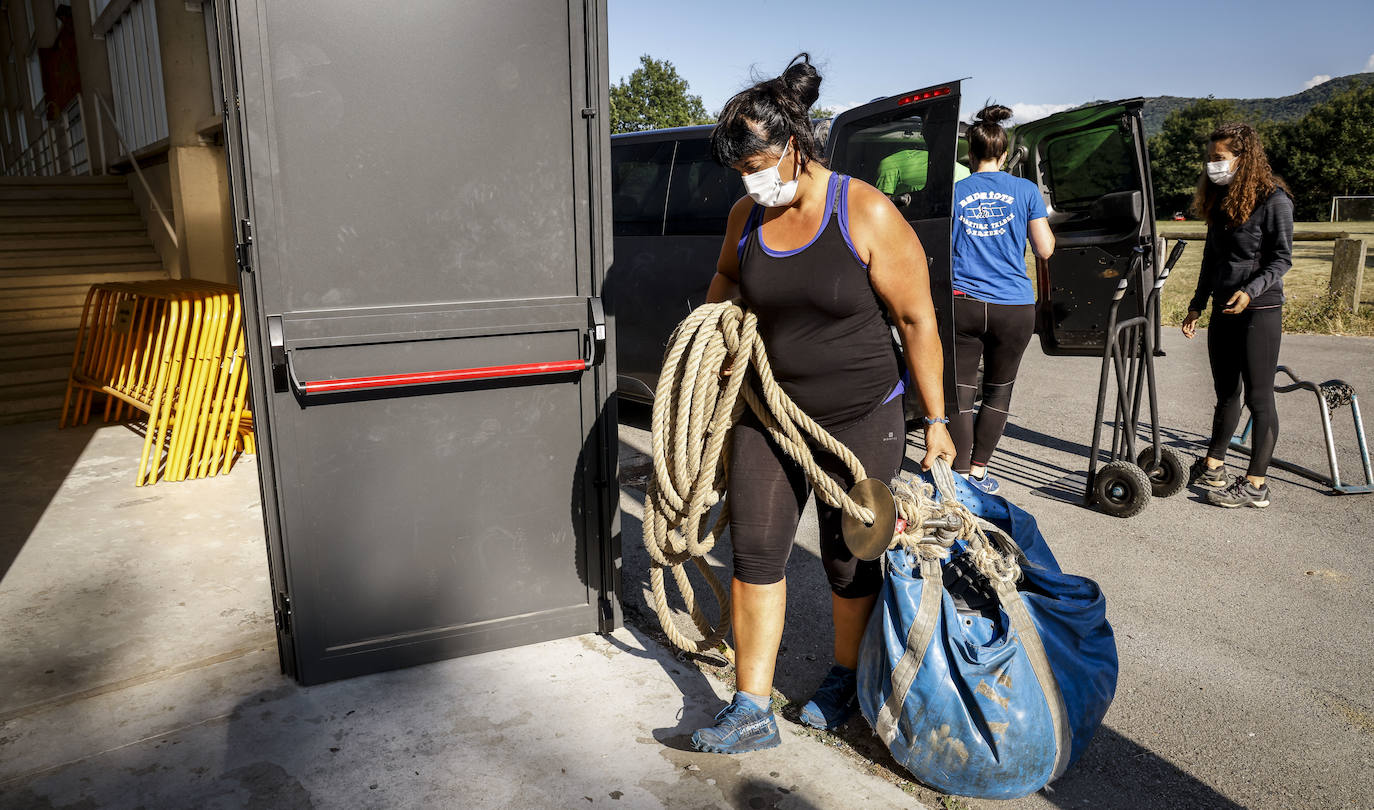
x,y
419,192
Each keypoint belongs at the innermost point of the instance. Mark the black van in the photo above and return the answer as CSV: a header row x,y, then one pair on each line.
x,y
670,202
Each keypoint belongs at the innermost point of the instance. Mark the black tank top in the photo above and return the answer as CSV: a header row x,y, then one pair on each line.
x,y
822,323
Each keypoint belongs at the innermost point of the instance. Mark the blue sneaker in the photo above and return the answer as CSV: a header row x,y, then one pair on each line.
x,y
986,484
740,728
834,701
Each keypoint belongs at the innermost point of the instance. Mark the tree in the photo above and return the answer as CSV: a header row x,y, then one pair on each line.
x,y
654,97
1176,153
1328,151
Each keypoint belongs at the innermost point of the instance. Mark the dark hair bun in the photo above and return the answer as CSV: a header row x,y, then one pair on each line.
x,y
994,114
802,80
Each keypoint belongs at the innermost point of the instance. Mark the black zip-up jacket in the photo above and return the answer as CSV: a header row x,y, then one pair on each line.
x,y
1252,257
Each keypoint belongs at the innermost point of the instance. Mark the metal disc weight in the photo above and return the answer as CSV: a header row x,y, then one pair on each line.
x,y
869,542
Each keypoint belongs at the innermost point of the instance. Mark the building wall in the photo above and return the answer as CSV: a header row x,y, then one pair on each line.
x,y
185,173
21,41
18,41
93,62
198,177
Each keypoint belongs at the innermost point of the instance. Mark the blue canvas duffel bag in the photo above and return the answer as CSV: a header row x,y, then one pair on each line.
x,y
993,702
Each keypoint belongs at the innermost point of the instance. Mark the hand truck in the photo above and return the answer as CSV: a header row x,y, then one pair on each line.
x,y
1124,485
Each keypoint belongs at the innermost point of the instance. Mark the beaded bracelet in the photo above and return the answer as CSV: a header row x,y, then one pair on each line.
x,y
937,420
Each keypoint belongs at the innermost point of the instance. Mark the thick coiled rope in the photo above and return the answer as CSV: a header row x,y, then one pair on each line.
x,y
919,504
695,407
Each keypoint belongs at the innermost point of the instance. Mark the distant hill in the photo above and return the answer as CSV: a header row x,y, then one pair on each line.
x,y
1284,108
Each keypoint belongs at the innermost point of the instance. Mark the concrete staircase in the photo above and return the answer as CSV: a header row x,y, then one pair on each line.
x,y
58,236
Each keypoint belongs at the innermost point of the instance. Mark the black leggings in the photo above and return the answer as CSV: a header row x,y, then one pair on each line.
x,y
1244,351
997,333
768,491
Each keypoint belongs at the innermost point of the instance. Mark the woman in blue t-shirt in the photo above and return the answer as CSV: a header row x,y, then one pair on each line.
x,y
994,303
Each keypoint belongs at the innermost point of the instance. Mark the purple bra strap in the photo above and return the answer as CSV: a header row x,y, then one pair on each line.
x,y
754,220
844,221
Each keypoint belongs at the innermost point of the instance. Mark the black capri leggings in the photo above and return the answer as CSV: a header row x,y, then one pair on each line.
x,y
998,334
1244,352
768,491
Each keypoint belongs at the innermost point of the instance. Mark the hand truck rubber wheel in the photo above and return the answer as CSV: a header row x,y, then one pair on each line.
x,y
1170,477
1121,488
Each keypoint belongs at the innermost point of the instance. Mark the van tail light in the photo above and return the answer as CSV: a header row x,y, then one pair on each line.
x,y
923,96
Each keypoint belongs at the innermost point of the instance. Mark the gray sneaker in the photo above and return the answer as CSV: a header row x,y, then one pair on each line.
x,y
1206,478
1241,493
738,729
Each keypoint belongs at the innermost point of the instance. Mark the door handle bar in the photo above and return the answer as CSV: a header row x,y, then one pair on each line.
x,y
316,387
284,372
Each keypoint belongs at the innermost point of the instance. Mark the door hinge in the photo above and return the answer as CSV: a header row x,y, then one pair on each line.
x,y
588,112
245,243
281,613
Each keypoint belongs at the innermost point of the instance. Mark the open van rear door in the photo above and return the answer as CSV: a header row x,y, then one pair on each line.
x,y
905,145
1093,170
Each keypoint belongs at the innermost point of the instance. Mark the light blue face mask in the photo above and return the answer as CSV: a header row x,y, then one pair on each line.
x,y
766,187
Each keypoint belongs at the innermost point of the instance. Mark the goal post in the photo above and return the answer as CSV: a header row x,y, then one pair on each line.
x,y
1352,207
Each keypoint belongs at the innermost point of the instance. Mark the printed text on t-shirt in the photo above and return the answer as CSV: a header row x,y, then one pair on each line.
x,y
987,213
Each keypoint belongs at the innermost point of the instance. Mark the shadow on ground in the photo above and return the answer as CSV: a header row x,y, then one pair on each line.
x,y
40,457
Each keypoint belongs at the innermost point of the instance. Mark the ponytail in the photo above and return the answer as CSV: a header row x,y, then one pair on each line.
x,y
769,114
987,140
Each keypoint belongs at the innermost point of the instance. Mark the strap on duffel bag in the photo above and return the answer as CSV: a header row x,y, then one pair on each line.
x,y
1007,761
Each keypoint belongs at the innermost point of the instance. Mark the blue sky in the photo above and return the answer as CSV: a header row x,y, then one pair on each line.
x,y
1036,57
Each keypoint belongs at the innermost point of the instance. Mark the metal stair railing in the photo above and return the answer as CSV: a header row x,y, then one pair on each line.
x,y
53,153
105,114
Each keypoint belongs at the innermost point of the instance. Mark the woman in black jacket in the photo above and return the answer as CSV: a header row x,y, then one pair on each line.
x,y
1249,215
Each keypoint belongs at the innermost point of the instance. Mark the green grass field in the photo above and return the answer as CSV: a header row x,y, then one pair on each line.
x,y
1309,308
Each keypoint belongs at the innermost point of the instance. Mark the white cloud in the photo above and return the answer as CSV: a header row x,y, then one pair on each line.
x,y
845,107
1318,79
1369,66
1023,113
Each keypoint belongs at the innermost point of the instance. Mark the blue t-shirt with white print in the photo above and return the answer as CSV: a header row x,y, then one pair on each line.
x,y
991,212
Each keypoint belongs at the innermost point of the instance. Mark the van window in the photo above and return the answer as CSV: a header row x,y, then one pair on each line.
x,y
1083,166
904,170
909,158
639,177
700,192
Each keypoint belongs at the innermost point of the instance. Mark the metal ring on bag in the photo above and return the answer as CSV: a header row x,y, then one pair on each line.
x,y
944,530
869,541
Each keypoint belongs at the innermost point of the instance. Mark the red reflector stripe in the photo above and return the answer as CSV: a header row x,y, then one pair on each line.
x,y
928,94
453,375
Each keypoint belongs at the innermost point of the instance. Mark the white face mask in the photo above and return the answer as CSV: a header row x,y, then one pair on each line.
x,y
1221,171
766,187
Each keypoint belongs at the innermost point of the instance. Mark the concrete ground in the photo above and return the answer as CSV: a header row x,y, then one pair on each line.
x,y
140,669
1243,635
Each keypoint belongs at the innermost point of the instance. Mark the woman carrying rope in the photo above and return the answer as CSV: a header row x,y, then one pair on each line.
x,y
816,256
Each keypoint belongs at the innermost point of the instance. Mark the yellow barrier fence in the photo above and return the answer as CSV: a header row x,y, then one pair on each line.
x,y
172,350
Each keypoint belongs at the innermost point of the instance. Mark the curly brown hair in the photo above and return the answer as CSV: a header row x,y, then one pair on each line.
x,y
1254,180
